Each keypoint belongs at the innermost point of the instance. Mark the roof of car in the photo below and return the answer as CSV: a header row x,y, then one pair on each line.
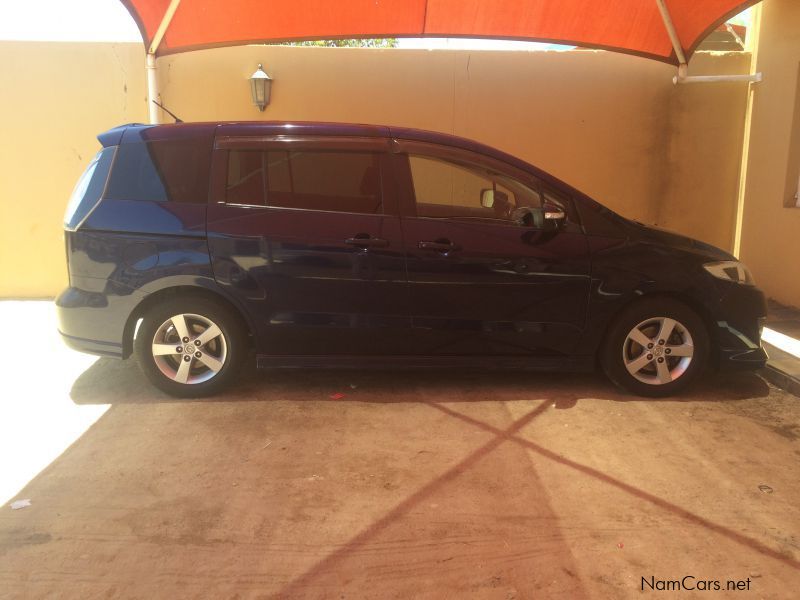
x,y
134,132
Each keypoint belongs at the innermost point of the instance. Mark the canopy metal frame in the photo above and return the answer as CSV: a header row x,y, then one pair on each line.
x,y
683,66
682,76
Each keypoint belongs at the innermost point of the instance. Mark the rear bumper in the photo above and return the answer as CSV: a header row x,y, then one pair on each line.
x,y
98,347
94,322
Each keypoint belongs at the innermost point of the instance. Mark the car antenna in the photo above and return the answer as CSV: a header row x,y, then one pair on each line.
x,y
166,110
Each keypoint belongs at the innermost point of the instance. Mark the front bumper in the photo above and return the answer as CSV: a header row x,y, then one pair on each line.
x,y
748,360
740,319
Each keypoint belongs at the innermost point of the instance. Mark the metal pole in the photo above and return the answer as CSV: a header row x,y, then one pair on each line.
x,y
673,34
152,72
152,88
754,78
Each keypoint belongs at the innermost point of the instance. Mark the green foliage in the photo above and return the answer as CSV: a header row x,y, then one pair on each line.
x,y
353,43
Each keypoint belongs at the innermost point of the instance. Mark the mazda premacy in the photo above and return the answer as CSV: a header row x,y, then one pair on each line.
x,y
195,245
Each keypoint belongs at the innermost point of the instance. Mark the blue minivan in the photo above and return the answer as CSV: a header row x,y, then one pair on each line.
x,y
336,245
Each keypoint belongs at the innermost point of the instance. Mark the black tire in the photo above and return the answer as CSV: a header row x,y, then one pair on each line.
x,y
621,353
203,379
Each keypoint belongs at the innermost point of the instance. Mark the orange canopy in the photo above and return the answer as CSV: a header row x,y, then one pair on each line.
x,y
630,26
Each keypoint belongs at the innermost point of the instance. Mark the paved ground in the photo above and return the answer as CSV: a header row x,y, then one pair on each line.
x,y
783,330
424,485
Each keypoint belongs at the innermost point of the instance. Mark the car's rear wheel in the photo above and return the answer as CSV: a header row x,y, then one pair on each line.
x,y
655,348
190,347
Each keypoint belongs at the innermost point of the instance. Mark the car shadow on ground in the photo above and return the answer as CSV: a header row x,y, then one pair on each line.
x,y
110,381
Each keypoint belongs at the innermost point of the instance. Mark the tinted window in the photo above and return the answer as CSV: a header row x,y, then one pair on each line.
x,y
89,188
334,181
246,179
169,170
451,190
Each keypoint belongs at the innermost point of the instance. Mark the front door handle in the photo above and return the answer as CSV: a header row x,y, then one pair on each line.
x,y
366,242
443,246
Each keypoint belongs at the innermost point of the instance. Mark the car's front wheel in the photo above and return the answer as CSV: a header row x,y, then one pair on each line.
x,y
190,347
655,348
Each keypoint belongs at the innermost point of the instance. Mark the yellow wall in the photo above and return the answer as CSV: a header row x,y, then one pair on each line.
x,y
771,232
55,98
611,125
703,160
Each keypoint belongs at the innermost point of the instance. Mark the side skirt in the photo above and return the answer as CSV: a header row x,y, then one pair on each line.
x,y
516,363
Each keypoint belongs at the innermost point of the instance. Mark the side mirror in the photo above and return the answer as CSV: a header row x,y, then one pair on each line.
x,y
548,218
487,198
527,216
554,213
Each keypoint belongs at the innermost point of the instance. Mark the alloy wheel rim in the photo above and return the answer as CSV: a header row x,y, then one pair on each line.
x,y
658,351
189,349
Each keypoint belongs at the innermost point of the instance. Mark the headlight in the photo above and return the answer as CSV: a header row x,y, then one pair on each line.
x,y
730,270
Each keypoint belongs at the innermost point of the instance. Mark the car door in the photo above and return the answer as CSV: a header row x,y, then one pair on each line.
x,y
304,232
486,275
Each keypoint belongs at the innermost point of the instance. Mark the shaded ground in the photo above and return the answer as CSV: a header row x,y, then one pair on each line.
x,y
424,485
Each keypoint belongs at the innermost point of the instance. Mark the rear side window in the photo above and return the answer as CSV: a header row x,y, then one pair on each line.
x,y
89,188
161,171
329,181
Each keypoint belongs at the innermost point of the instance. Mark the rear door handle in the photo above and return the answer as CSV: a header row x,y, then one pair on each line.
x,y
443,246
366,242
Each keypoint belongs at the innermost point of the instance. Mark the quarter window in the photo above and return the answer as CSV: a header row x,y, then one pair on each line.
x,y
328,181
159,171
90,186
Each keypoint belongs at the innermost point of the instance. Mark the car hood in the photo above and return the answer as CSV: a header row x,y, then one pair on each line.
x,y
664,237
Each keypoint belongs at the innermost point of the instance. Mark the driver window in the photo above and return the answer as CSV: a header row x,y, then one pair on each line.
x,y
444,189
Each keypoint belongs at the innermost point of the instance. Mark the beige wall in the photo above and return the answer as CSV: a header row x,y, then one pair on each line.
x,y
703,152
612,125
55,98
771,232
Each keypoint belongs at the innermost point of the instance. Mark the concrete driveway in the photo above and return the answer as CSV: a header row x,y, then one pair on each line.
x,y
424,485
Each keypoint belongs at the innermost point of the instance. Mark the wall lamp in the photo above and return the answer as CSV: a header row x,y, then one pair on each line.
x,y
260,88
